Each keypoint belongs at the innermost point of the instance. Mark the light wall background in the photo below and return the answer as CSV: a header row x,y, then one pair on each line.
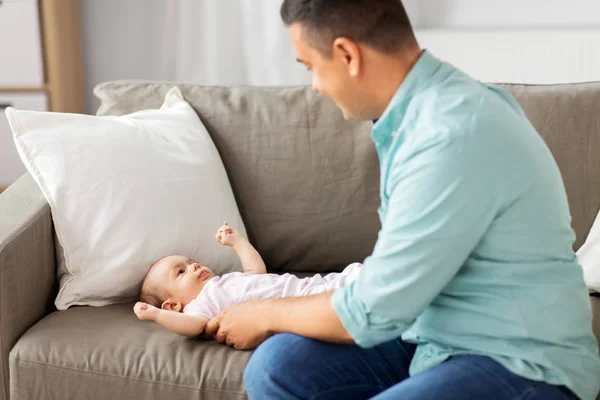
x,y
232,42
504,13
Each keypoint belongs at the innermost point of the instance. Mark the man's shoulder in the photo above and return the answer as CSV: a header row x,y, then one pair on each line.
x,y
451,111
448,99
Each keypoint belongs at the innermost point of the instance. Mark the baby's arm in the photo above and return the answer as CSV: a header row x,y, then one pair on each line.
x,y
183,324
252,262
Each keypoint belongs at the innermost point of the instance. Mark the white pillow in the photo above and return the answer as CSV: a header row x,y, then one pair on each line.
x,y
589,257
125,191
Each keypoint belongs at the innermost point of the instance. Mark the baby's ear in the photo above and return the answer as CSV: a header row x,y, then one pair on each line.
x,y
171,305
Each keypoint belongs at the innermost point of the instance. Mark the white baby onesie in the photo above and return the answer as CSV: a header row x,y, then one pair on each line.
x,y
221,292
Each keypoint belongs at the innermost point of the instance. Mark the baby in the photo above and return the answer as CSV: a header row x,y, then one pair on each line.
x,y
183,296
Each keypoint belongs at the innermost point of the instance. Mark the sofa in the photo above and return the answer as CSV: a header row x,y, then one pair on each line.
x,y
307,186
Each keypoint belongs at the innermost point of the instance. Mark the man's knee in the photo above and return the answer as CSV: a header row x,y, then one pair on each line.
x,y
271,363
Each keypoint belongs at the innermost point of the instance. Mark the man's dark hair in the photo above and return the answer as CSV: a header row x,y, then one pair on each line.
x,y
381,24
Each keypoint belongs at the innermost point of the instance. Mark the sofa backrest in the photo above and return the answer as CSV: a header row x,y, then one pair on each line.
x,y
307,181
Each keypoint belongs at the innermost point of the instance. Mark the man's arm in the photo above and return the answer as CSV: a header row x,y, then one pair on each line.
x,y
312,317
441,204
245,325
440,207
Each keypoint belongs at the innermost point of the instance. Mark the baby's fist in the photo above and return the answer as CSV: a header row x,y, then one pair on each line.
x,y
145,311
227,236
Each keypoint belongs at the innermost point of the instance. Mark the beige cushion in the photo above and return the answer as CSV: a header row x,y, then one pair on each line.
x,y
107,353
306,181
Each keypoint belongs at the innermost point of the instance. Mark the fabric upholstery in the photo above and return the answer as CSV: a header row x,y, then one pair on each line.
x,y
27,273
306,181
107,353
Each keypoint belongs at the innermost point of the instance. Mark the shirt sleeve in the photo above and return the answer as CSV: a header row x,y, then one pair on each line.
x,y
440,205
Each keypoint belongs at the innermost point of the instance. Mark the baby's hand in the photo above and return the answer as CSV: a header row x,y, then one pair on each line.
x,y
145,311
227,236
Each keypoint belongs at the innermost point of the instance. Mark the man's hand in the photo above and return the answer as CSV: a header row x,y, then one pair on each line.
x,y
241,326
246,325
227,236
145,312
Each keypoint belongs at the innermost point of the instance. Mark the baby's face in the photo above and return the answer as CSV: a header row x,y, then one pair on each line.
x,y
182,277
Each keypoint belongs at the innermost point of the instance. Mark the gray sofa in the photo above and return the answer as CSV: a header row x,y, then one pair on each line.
x,y
306,183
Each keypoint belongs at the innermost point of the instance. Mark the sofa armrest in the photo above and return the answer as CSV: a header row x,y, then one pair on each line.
x,y
27,266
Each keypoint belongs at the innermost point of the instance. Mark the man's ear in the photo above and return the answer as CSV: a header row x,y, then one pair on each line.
x,y
171,305
349,53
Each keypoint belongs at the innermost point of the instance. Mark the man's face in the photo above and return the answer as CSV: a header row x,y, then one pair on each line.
x,y
330,75
181,277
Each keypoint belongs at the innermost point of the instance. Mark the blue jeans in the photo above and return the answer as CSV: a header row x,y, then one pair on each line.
x,y
292,367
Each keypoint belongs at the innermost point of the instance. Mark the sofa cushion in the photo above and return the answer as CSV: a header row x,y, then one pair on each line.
x,y
568,118
306,181
107,353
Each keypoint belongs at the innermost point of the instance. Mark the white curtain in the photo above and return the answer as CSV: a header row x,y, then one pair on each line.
x,y
234,42
209,42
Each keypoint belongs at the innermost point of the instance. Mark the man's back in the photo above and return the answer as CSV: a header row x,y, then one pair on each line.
x,y
519,296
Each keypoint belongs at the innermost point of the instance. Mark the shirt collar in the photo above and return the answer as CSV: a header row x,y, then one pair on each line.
x,y
419,74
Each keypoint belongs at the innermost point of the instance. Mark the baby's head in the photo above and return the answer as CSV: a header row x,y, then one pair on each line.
x,y
173,281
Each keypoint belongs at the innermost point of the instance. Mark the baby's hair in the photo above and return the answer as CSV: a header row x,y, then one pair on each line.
x,y
151,292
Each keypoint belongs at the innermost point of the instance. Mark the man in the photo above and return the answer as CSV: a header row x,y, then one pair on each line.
x,y
473,290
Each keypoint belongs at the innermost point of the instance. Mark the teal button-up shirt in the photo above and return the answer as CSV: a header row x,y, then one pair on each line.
x,y
475,252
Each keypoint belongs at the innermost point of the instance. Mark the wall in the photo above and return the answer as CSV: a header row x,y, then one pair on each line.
x,y
504,13
533,41
129,39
